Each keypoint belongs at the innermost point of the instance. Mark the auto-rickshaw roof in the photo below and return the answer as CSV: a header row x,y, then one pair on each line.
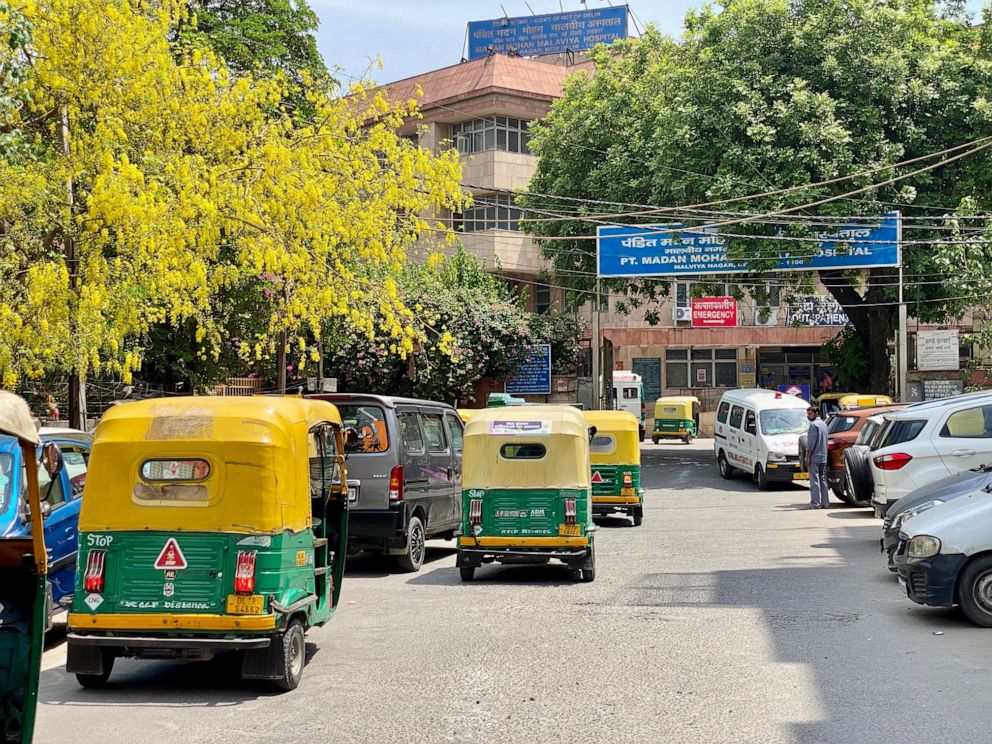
x,y
678,399
16,419
466,413
563,420
832,396
858,400
234,419
613,421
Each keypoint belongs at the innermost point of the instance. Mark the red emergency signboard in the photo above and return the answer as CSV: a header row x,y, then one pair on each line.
x,y
171,558
714,312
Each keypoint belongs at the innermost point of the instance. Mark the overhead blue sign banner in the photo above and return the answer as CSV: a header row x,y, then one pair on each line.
x,y
655,250
534,377
554,33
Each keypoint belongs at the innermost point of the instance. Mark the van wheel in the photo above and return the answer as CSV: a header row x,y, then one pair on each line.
x,y
761,479
416,546
975,593
467,572
294,652
98,681
726,471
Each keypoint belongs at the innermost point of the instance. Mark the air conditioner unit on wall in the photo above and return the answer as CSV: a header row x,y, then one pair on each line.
x,y
767,318
682,314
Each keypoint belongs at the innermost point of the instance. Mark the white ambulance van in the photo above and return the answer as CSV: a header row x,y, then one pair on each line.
x,y
757,432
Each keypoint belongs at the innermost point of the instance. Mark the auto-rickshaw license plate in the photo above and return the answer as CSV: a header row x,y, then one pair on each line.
x,y
352,494
571,530
245,604
801,476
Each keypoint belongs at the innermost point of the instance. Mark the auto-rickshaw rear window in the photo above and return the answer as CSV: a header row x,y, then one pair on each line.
x,y
170,482
370,423
603,444
669,410
523,451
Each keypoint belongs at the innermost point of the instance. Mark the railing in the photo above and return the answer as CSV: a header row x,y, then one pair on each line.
x,y
239,386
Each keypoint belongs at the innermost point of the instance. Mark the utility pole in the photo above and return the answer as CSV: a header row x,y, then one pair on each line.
x,y
281,363
596,347
903,351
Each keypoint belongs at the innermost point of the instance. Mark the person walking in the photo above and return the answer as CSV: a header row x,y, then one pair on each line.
x,y
816,460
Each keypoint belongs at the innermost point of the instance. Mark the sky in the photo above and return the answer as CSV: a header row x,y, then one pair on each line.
x,y
415,36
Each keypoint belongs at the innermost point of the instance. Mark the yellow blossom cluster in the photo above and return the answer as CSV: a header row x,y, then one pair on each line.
x,y
150,183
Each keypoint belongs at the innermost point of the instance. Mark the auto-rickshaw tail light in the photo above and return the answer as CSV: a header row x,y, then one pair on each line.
x,y
569,511
244,573
96,564
628,480
396,483
475,511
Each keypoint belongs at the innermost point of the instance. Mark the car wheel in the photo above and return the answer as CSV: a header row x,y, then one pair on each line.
x,y
761,479
467,572
416,546
98,681
726,471
294,652
975,591
859,481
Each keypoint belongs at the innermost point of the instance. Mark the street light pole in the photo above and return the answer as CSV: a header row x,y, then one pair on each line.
x,y
596,345
903,350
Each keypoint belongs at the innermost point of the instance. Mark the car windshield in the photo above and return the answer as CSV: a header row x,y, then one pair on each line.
x,y
370,423
784,421
6,479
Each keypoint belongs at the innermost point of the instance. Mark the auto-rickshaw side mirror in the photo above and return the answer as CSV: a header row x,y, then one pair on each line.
x,y
351,438
51,458
592,433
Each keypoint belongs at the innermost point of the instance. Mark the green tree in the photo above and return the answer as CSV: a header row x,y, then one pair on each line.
x,y
761,95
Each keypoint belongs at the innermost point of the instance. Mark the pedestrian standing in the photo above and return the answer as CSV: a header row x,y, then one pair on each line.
x,y
827,385
816,460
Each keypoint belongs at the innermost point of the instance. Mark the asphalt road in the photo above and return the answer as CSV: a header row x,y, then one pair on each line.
x,y
729,616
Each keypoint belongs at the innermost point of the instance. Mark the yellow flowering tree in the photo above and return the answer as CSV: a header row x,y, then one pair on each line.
x,y
135,189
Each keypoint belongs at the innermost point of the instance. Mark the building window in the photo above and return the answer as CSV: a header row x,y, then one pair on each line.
x,y
495,133
700,368
684,293
542,298
488,212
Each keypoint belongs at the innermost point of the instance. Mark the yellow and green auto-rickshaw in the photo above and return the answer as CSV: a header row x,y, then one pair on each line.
x,y
676,417
526,490
210,524
615,456
23,575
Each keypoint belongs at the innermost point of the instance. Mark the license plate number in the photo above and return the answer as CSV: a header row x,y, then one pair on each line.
x,y
245,604
352,494
572,530
801,476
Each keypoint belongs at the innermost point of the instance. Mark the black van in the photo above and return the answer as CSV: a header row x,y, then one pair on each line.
x,y
404,473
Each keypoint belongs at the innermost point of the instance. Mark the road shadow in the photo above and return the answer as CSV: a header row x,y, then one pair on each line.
x,y
183,684
611,522
375,565
553,575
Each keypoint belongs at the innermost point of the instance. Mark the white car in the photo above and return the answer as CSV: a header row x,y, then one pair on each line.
x,y
929,441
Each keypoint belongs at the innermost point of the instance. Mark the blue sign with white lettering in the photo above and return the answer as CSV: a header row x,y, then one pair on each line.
x,y
799,391
554,33
534,377
672,250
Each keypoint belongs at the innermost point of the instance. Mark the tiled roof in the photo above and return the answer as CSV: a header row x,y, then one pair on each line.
x,y
494,74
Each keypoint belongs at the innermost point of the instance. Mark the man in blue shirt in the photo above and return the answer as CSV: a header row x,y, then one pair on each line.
x,y
816,460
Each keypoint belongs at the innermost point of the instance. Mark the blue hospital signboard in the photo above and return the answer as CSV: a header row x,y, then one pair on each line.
x,y
655,250
554,33
534,377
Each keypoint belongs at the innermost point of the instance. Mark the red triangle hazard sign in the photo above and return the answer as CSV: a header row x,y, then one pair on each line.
x,y
171,558
597,477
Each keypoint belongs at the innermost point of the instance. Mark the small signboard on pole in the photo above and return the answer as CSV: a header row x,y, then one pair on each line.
x,y
534,377
937,351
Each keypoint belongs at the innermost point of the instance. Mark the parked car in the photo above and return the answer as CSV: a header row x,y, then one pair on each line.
x,y
408,466
944,556
843,429
757,431
928,441
60,500
926,498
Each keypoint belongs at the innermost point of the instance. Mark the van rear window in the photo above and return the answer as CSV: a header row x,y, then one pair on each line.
x,y
370,423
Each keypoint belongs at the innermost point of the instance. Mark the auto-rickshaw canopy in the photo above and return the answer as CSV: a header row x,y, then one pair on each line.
x,y
203,464
620,426
16,420
676,407
857,400
492,435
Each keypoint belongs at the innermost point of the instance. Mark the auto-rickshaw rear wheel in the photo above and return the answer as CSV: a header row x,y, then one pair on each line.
x,y
98,681
467,572
589,569
637,515
294,652
655,440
